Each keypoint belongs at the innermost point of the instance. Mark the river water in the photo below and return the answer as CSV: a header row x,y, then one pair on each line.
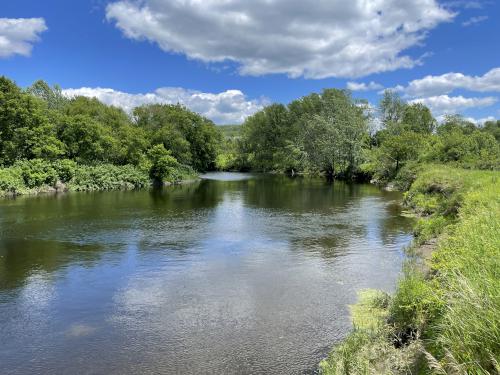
x,y
233,274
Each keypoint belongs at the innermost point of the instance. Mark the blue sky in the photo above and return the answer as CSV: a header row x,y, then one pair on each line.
x,y
228,59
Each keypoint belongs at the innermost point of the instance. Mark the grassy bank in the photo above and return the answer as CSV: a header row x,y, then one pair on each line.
x,y
444,317
36,176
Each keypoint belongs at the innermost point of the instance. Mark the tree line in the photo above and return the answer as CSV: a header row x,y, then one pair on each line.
x,y
40,123
45,136
334,134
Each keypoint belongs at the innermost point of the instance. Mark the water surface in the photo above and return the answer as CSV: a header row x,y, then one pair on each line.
x,y
235,274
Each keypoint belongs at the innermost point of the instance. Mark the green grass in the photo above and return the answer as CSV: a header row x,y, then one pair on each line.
x,y
446,320
368,349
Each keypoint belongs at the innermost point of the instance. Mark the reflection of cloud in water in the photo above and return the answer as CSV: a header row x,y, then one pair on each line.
x,y
38,292
227,176
80,330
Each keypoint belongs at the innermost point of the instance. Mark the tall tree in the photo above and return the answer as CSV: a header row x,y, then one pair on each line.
x,y
25,131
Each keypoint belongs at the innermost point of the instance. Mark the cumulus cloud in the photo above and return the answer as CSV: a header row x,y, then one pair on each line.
x,y
444,104
228,107
446,83
480,121
309,38
474,20
361,86
17,35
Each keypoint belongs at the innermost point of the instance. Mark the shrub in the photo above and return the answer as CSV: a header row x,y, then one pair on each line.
x,y
163,165
108,177
65,169
11,181
37,172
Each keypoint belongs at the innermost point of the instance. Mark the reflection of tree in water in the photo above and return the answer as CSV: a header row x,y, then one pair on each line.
x,y
395,223
302,194
20,258
347,218
312,215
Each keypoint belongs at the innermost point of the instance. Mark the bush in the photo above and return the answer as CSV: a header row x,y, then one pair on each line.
x,y
37,173
65,169
163,165
11,181
108,177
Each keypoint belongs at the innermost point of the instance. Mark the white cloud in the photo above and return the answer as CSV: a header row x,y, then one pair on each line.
x,y
355,86
228,107
310,38
17,35
474,20
444,104
446,83
480,121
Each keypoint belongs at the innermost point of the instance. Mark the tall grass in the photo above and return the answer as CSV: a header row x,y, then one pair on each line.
x,y
446,320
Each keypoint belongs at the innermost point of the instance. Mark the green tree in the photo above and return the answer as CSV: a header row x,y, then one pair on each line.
x,y
52,96
264,137
391,108
333,139
163,165
492,127
192,139
85,140
418,118
25,131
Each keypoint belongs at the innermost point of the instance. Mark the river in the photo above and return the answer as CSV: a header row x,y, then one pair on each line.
x,y
232,274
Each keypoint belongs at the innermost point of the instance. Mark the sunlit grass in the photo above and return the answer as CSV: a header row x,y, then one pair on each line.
x,y
445,320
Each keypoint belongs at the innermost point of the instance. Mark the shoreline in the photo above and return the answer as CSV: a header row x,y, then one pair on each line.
x,y
447,295
62,188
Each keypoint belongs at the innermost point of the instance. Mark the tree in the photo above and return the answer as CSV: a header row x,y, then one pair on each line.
x,y
126,143
86,141
391,108
265,134
25,131
52,96
333,139
163,164
398,149
418,118
492,127
192,139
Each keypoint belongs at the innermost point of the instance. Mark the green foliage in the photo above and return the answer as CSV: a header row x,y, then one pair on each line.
x,y
65,169
367,349
164,167
108,177
52,96
319,133
37,172
11,181
192,139
467,265
444,321
460,143
264,136
413,304
25,131
230,131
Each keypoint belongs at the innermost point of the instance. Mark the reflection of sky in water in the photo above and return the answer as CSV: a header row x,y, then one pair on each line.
x,y
230,275
226,176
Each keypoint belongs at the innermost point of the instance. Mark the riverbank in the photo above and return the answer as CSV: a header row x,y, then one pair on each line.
x,y
443,317
37,176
